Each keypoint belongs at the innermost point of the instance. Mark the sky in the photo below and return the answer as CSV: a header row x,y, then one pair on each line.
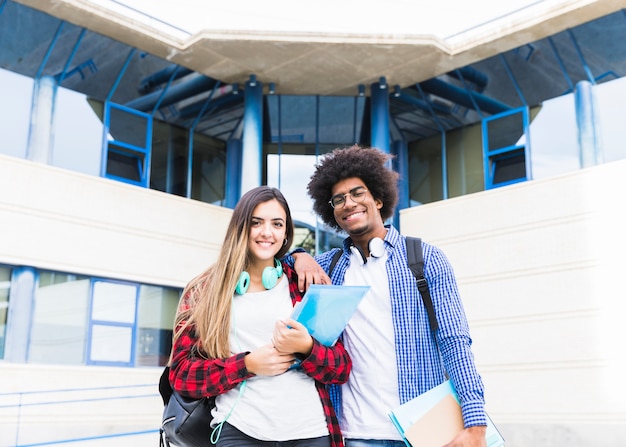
x,y
443,18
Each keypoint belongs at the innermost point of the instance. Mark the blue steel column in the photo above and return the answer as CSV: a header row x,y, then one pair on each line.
x,y
252,151
589,147
41,132
401,165
21,299
233,172
380,115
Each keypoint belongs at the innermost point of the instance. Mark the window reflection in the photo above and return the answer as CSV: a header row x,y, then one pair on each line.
x,y
157,308
59,329
425,184
5,283
111,344
80,320
334,120
78,132
16,92
610,100
208,176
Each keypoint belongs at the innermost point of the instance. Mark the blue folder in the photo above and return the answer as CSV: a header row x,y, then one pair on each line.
x,y
325,310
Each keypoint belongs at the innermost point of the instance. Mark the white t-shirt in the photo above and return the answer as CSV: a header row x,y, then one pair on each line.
x,y
276,408
372,388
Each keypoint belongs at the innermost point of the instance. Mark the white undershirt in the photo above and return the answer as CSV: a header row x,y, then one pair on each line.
x,y
277,408
372,388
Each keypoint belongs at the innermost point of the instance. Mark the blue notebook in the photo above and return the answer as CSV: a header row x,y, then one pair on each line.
x,y
325,310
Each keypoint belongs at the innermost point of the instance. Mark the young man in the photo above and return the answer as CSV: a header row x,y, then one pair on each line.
x,y
394,354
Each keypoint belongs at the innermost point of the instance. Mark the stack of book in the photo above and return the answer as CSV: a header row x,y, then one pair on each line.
x,y
434,418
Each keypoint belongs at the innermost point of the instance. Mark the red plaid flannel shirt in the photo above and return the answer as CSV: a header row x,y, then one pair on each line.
x,y
197,377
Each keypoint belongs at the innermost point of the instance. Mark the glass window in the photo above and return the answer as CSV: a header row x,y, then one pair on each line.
x,y
509,167
504,131
297,118
113,314
295,171
128,154
5,284
77,132
610,101
294,168
208,176
111,344
59,329
425,176
170,149
114,302
16,95
170,164
554,138
79,320
505,147
155,319
124,164
464,154
464,165
293,119
340,119
128,126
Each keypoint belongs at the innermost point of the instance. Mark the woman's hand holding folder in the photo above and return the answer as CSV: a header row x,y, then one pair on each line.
x,y
291,336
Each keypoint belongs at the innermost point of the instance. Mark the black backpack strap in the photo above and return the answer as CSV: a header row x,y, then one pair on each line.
x,y
333,263
416,264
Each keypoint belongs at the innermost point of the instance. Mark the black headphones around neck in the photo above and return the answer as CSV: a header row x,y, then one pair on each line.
x,y
269,278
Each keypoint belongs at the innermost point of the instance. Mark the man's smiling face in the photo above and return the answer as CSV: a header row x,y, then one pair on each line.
x,y
360,214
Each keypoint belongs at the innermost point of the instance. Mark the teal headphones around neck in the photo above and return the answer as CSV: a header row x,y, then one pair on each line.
x,y
269,278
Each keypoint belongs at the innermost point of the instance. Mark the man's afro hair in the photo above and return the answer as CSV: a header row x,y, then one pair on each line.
x,y
371,165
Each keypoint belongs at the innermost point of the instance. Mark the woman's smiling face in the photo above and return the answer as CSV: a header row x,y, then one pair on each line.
x,y
267,231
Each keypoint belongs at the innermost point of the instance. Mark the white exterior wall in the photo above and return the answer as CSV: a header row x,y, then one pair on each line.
x,y
540,267
71,222
106,401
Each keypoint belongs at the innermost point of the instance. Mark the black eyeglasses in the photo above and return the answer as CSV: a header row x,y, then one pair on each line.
x,y
356,194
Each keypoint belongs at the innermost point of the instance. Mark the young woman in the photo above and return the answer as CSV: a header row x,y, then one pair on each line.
x,y
234,339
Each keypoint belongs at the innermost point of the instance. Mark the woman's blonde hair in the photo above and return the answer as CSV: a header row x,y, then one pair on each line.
x,y
208,296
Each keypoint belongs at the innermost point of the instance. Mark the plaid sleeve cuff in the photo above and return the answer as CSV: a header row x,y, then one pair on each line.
x,y
327,364
473,414
235,368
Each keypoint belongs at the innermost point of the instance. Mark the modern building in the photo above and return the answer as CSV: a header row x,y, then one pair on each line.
x,y
129,129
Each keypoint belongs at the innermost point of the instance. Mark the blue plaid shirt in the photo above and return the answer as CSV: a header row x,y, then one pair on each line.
x,y
420,365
